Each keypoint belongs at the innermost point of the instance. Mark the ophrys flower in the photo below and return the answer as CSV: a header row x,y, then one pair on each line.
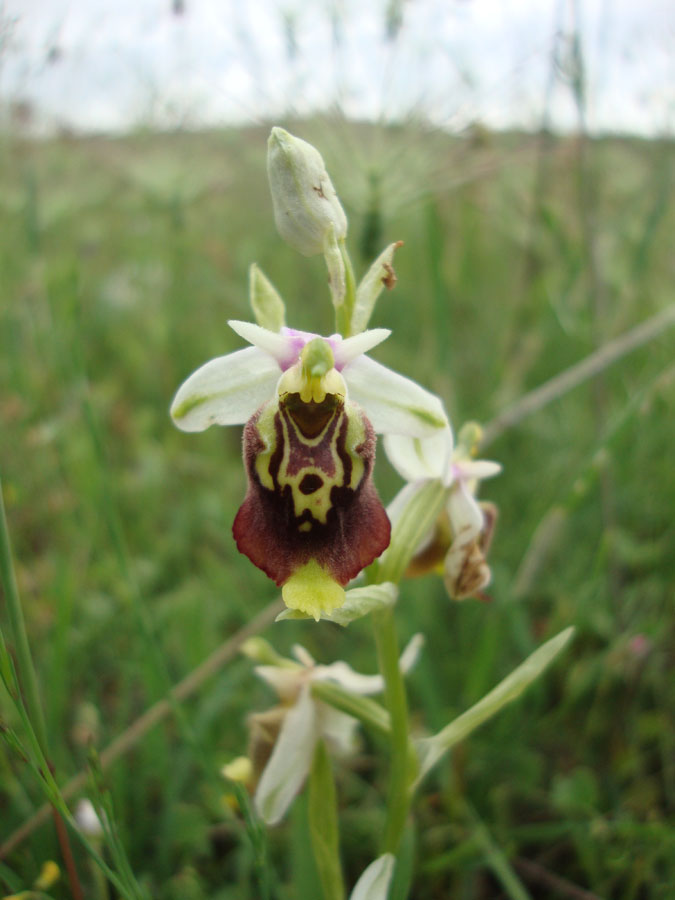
x,y
461,537
311,519
284,738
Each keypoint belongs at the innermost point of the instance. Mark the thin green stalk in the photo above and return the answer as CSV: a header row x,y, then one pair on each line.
x,y
324,830
345,311
27,676
401,775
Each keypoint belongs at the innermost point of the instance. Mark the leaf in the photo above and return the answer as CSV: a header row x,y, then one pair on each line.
x,y
430,750
379,275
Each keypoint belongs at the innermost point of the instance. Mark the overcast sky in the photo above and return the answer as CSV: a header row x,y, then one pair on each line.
x,y
115,64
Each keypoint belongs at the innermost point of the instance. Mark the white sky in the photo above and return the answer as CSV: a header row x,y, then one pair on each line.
x,y
115,64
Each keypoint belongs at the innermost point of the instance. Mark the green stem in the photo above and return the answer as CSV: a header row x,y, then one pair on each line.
x,y
401,775
27,676
323,825
345,311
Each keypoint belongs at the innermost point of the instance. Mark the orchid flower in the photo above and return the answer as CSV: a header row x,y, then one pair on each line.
x,y
291,731
311,518
461,537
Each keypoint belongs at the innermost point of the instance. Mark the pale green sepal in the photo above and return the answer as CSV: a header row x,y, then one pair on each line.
x,y
393,404
323,824
423,503
360,601
266,302
336,268
368,711
375,880
430,750
290,762
226,390
371,287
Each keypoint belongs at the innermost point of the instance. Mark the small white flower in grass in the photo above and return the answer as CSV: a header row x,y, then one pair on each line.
x,y
87,819
461,537
302,721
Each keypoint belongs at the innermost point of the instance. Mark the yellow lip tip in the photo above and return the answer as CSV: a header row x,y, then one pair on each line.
x,y
311,590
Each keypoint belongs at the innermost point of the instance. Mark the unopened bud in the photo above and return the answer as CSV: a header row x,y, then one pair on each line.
x,y
304,199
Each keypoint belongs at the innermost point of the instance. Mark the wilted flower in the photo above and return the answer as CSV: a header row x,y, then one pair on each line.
x,y
283,739
461,537
311,519
307,210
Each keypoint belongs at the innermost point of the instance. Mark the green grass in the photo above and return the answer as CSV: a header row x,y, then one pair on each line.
x,y
120,263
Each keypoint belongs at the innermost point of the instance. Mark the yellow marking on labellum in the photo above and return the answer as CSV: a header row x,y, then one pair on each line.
x,y
310,448
311,590
267,434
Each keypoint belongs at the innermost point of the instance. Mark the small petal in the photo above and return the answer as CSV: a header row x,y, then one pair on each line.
x,y
394,404
415,458
375,880
225,391
290,762
282,347
348,350
475,469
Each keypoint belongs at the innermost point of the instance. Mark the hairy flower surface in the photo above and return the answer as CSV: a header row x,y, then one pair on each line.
x,y
311,518
461,538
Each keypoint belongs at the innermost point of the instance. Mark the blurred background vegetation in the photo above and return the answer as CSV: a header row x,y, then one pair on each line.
x,y
121,260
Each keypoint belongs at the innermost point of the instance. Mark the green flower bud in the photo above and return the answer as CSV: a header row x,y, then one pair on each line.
x,y
304,199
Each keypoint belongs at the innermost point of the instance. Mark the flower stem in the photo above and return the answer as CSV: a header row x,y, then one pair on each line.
x,y
401,775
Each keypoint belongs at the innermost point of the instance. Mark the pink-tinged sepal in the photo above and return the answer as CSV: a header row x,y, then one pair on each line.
x,y
310,497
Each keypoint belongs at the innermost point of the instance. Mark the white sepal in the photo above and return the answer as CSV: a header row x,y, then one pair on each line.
x,y
225,391
375,880
394,404
415,458
291,759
